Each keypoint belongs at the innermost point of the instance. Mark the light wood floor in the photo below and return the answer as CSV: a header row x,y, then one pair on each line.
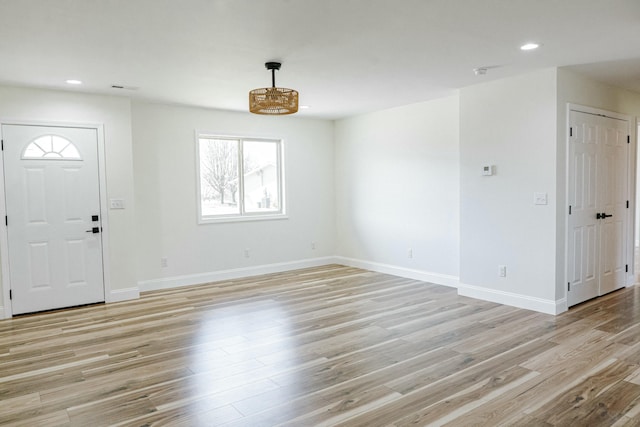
x,y
324,346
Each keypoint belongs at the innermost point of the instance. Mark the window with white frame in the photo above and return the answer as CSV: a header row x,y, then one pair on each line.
x,y
239,178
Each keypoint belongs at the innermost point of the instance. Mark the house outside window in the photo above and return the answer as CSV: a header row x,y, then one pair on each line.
x,y
239,178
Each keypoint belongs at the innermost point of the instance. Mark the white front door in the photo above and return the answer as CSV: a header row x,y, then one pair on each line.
x,y
599,202
53,224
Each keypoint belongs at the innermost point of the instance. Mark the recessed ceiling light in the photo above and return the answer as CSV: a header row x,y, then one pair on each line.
x,y
74,82
529,46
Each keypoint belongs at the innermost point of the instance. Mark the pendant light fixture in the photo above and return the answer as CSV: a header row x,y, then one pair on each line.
x,y
273,100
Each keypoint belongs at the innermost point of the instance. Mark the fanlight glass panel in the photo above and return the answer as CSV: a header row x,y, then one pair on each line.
x,y
51,147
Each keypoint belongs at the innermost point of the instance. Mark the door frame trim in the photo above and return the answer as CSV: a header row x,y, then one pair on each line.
x,y
631,185
104,211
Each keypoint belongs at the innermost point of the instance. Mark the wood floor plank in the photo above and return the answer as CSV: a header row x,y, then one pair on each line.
x,y
340,410
109,412
21,404
587,400
329,345
436,391
37,418
474,396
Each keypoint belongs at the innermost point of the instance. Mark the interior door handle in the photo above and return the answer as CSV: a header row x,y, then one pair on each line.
x,y
603,215
94,230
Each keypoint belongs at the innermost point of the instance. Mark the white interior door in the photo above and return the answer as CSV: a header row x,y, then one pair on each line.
x,y
53,224
582,242
598,198
615,228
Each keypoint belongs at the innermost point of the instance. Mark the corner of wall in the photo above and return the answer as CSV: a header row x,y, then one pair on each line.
x,y
509,124
118,295
409,273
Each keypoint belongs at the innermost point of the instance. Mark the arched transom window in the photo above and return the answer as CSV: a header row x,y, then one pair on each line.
x,y
51,147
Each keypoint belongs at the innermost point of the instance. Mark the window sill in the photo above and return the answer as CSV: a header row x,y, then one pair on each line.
x,y
246,218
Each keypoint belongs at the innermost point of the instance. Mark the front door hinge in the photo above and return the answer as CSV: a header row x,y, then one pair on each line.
x,y
627,204
569,209
6,220
626,268
2,144
10,294
570,131
628,139
569,286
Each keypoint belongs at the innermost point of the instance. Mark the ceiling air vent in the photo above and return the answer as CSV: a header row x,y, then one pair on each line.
x,y
123,87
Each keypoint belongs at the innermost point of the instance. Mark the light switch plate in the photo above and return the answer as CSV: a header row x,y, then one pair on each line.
x,y
540,198
116,204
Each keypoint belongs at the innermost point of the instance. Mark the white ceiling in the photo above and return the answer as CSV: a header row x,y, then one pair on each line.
x,y
345,57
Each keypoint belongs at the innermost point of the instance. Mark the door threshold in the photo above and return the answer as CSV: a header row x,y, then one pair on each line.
x,y
58,310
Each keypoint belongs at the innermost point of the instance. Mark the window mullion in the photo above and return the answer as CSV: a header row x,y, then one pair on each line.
x,y
279,172
241,176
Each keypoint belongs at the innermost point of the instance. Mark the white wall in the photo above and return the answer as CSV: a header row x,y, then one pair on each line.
x,y
519,124
366,189
165,191
115,114
509,123
397,188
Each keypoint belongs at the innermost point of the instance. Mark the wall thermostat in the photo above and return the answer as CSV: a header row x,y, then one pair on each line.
x,y
487,170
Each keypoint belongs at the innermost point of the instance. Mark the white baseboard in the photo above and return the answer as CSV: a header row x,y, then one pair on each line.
x,y
236,273
117,295
561,306
507,298
424,276
514,300
114,296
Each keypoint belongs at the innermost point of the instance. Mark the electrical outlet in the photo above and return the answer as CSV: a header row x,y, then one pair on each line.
x,y
247,253
410,253
164,263
502,271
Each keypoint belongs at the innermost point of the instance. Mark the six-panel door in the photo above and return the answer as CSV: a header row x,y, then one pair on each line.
x,y
598,195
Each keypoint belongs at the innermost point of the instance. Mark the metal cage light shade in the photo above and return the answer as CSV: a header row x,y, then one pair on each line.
x,y
273,100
